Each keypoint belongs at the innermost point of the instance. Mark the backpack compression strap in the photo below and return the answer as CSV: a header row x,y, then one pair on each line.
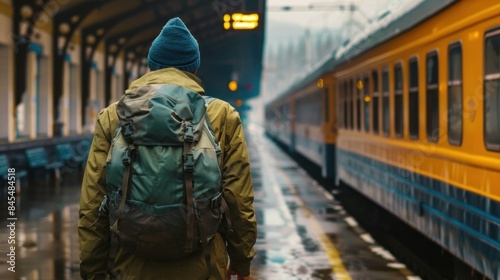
x,y
128,160
188,184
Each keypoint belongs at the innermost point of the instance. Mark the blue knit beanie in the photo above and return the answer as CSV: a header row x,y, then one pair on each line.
x,y
174,47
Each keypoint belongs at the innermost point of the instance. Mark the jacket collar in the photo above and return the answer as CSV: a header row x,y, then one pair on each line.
x,y
169,76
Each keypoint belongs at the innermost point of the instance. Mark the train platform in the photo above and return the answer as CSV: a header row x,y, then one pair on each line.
x,y
395,101
303,231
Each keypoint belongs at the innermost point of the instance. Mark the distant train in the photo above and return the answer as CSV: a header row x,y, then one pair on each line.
x,y
409,117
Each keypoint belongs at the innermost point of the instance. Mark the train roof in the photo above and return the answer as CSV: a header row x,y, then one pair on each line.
x,y
385,27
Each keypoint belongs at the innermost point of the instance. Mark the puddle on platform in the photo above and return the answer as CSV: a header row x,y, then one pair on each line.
x,y
46,236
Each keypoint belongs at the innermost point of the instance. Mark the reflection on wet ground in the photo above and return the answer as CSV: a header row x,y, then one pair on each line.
x,y
303,232
46,238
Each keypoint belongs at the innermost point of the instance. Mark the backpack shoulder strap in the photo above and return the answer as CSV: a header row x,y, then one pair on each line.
x,y
208,99
225,208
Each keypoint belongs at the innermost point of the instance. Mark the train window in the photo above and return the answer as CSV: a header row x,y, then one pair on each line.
x,y
284,114
346,111
366,101
316,107
340,109
455,103
359,88
351,104
299,116
432,97
308,109
305,103
398,100
492,90
341,106
327,105
347,107
385,102
375,101
413,98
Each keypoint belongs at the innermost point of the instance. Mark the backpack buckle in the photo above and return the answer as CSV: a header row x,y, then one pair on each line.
x,y
126,157
189,163
216,201
104,204
127,133
189,136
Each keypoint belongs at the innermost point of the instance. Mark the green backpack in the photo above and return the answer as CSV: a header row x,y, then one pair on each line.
x,y
163,178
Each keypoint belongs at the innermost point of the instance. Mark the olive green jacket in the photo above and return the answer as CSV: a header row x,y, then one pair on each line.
x,y
93,227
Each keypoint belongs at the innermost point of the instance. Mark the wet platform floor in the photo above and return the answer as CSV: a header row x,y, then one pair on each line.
x,y
303,232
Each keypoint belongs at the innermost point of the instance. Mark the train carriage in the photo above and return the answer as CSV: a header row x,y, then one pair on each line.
x,y
304,120
417,108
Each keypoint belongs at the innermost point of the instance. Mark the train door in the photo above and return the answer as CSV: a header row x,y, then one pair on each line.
x,y
328,168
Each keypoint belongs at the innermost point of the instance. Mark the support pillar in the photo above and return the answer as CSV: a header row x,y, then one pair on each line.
x,y
7,132
44,116
75,118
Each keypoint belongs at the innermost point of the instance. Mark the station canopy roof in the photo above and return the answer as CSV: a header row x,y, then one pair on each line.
x,y
131,26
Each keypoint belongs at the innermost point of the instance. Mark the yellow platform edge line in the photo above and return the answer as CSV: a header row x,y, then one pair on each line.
x,y
333,255
338,267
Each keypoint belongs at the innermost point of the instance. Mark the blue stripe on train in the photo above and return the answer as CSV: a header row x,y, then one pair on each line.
x,y
466,223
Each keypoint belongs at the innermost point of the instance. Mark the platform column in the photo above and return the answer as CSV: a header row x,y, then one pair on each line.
x,y
27,110
7,132
75,115
100,96
92,108
44,113
119,87
64,102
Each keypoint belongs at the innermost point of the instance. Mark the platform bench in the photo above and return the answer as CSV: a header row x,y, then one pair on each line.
x,y
66,153
4,168
37,159
4,173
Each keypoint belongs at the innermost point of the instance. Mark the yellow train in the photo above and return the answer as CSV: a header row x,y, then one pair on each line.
x,y
409,116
